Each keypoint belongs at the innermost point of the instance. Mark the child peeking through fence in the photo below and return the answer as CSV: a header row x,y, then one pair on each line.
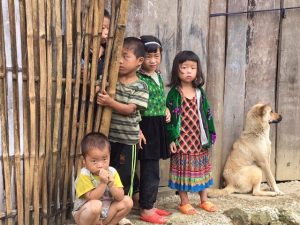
x,y
100,196
104,39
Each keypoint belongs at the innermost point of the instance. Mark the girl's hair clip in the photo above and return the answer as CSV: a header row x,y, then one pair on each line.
x,y
152,42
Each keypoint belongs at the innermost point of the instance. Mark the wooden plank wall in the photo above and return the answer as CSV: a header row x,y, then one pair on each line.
x,y
240,60
178,26
245,59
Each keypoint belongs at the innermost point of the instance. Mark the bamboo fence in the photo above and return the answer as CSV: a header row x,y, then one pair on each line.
x,y
52,99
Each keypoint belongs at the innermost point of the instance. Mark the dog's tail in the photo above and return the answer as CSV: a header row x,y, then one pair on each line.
x,y
214,193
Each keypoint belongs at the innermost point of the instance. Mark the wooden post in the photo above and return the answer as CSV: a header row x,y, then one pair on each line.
x,y
115,63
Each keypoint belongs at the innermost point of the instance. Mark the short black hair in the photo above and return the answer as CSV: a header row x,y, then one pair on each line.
x,y
180,58
106,14
136,45
93,140
151,43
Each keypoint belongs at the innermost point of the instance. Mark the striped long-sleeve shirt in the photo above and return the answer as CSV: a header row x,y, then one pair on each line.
x,y
125,128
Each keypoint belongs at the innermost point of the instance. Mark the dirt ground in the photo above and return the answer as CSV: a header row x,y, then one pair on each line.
x,y
246,202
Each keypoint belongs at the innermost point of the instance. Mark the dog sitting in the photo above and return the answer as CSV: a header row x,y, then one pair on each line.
x,y
250,156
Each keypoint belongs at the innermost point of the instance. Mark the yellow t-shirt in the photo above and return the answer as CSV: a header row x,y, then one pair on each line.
x,y
86,181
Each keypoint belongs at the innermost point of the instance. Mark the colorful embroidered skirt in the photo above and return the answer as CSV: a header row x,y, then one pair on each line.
x,y
190,172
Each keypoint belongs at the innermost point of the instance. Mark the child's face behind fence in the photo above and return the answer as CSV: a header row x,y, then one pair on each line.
x,y
187,71
129,63
97,159
105,30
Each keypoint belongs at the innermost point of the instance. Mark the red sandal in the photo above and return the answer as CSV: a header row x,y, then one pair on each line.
x,y
162,212
153,218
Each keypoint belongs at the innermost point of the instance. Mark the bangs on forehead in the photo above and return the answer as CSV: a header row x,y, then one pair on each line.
x,y
188,58
152,48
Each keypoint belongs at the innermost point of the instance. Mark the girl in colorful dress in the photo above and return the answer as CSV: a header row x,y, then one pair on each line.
x,y
190,133
153,128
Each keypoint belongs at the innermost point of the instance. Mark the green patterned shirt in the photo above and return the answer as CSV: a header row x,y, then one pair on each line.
x,y
157,99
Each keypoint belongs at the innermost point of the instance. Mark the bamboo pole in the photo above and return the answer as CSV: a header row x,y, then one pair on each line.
x,y
4,125
79,47
115,63
27,192
57,111
87,37
47,190
36,167
67,110
97,30
108,51
35,12
32,102
43,107
17,160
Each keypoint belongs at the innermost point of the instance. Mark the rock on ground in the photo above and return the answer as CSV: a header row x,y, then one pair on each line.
x,y
237,209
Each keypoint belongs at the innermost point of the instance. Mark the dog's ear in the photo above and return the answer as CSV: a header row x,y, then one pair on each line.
x,y
264,109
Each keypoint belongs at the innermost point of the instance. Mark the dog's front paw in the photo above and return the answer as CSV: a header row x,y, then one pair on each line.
x,y
278,192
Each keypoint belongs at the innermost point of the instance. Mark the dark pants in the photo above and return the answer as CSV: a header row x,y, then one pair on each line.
x,y
149,181
121,160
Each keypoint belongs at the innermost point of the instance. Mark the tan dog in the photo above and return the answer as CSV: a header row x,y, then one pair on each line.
x,y
250,156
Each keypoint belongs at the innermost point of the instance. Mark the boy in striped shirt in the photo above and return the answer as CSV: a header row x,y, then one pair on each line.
x,y
131,97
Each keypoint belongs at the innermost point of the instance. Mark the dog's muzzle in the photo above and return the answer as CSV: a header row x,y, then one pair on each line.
x,y
276,121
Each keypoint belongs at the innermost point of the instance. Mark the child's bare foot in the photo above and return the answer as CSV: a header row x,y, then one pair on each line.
x,y
136,198
124,221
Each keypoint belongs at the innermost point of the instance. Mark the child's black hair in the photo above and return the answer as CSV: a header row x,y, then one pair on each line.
x,y
106,14
151,43
180,58
136,45
93,140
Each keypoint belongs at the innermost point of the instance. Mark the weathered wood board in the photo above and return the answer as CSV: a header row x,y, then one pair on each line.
x,y
194,23
215,81
261,59
288,138
158,18
234,88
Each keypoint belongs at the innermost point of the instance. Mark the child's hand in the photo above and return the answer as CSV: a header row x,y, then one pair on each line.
x,y
103,98
111,180
104,176
168,115
173,147
97,88
142,139
101,51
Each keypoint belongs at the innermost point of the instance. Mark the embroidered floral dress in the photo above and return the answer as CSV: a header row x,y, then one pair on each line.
x,y
190,166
